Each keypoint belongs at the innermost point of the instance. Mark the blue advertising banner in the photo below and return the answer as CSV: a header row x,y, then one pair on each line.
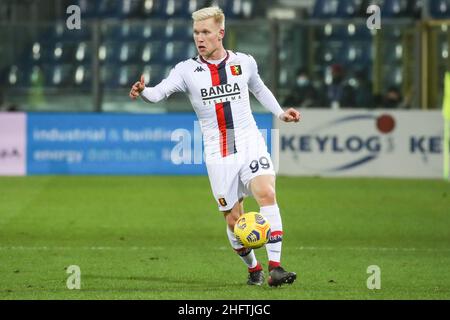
x,y
118,143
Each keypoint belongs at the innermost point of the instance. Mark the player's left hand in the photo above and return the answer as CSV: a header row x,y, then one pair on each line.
x,y
290,115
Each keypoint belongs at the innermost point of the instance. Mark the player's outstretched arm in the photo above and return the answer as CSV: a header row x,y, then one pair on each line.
x,y
137,88
290,115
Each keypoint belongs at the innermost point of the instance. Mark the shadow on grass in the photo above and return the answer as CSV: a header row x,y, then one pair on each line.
x,y
158,281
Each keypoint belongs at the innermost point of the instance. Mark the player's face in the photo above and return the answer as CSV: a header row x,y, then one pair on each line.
x,y
207,36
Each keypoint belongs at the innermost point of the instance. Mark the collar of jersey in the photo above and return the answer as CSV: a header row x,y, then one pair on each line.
x,y
220,65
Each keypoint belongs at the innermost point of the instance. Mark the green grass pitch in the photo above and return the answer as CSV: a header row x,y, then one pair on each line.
x,y
163,238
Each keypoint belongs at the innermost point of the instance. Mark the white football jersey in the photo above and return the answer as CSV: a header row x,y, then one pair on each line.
x,y
219,95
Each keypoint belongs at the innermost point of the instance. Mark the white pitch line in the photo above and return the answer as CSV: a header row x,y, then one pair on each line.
x,y
373,249
137,248
94,248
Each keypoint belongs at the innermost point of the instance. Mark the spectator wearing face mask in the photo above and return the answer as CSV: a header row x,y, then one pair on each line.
x,y
393,98
339,92
303,93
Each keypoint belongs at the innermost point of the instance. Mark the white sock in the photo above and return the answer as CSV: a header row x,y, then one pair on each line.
x,y
247,255
273,246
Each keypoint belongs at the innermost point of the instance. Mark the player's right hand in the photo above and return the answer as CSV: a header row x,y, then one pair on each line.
x,y
137,88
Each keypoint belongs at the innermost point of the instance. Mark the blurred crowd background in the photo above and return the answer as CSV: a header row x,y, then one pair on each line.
x,y
311,53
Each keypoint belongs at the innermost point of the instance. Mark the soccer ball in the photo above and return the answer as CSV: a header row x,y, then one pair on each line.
x,y
252,230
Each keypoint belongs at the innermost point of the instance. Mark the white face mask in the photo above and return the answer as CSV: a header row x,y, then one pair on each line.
x,y
302,81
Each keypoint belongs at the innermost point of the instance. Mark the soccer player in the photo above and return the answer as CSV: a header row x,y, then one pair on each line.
x,y
217,83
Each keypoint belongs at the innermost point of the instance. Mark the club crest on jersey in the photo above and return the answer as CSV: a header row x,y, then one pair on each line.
x,y
222,202
236,70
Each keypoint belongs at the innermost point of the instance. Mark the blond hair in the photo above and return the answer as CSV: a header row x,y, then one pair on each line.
x,y
210,12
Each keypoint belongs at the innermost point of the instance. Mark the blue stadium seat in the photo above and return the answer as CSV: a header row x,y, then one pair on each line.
x,y
348,8
83,52
415,8
331,52
175,9
155,30
325,9
13,76
107,8
393,52
129,9
231,8
153,8
129,52
331,32
178,31
114,76
127,75
356,53
58,75
124,31
108,51
89,8
361,32
394,8
440,8
32,75
152,52
393,75
51,52
63,52
176,51
82,76
37,53
154,73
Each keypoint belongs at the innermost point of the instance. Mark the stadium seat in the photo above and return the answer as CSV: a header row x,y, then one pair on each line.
x,y
58,75
331,52
393,75
415,9
82,76
128,74
108,51
359,32
153,30
331,32
176,51
325,9
175,9
393,52
152,52
129,52
440,8
231,8
83,52
152,8
37,52
394,8
348,8
154,73
444,50
356,53
130,9
64,52
51,52
88,8
33,75
13,76
107,8
178,31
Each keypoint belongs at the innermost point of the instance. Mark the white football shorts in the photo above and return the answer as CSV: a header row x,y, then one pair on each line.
x,y
230,176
